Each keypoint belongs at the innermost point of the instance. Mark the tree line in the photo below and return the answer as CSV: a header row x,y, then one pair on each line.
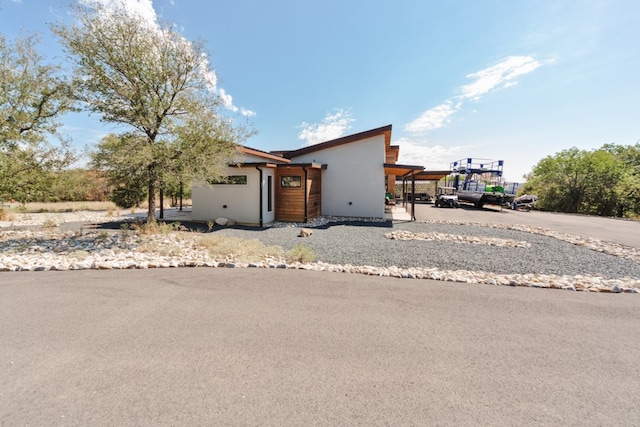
x,y
604,181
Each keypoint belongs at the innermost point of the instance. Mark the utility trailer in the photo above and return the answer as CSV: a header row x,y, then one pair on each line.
x,y
480,182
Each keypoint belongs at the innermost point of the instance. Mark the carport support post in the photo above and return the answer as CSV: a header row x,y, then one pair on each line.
x,y
413,197
404,191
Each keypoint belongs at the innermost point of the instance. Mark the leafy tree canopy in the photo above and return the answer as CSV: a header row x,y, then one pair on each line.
x,y
150,78
602,182
33,96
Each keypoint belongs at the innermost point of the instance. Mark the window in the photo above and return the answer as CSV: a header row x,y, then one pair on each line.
x,y
230,180
291,181
269,193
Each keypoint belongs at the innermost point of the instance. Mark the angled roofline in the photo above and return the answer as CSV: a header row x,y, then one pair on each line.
x,y
385,130
263,154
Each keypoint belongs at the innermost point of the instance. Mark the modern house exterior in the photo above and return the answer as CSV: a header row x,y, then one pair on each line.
x,y
347,177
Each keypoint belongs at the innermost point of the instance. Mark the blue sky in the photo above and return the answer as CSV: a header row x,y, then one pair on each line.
x,y
511,80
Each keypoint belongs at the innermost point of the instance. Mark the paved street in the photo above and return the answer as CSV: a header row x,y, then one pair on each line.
x,y
620,231
276,347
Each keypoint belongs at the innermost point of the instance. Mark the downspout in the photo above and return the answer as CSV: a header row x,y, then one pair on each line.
x,y
304,168
260,189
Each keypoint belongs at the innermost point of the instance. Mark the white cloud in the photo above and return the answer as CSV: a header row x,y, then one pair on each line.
x,y
435,157
227,100
501,75
331,127
247,113
144,9
434,118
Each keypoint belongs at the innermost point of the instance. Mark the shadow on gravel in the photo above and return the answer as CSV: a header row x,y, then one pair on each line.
x,y
468,207
199,227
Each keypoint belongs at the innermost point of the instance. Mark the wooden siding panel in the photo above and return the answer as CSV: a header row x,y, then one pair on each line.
x,y
290,202
314,194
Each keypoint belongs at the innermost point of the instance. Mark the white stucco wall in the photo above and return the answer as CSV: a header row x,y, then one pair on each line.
x,y
353,183
241,201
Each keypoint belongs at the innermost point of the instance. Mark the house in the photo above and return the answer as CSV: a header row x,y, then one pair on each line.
x,y
348,176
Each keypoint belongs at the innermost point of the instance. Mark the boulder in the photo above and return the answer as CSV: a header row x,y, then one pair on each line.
x,y
305,232
222,221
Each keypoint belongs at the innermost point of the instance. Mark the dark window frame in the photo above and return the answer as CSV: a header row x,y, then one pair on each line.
x,y
230,180
291,181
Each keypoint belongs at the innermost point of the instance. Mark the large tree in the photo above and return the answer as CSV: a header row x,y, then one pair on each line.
x,y
148,77
34,94
629,156
598,182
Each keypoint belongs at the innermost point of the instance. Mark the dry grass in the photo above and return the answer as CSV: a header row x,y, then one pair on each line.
x,y
7,215
301,253
56,207
162,250
241,250
50,223
69,207
152,228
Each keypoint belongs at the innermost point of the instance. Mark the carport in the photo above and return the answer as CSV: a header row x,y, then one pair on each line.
x,y
434,175
409,174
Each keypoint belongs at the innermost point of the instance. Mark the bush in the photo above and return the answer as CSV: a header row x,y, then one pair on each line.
x,y
301,253
127,197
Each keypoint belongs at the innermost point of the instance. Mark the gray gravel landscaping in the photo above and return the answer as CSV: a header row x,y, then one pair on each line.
x,y
367,245
491,253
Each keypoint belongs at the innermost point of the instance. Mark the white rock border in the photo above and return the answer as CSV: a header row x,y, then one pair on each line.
x,y
457,238
610,248
49,250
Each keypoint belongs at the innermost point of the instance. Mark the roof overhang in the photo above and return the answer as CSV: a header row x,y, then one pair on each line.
x,y
254,164
263,154
431,175
303,165
402,170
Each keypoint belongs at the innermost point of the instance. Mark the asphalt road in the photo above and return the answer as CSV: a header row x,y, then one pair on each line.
x,y
624,232
276,347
